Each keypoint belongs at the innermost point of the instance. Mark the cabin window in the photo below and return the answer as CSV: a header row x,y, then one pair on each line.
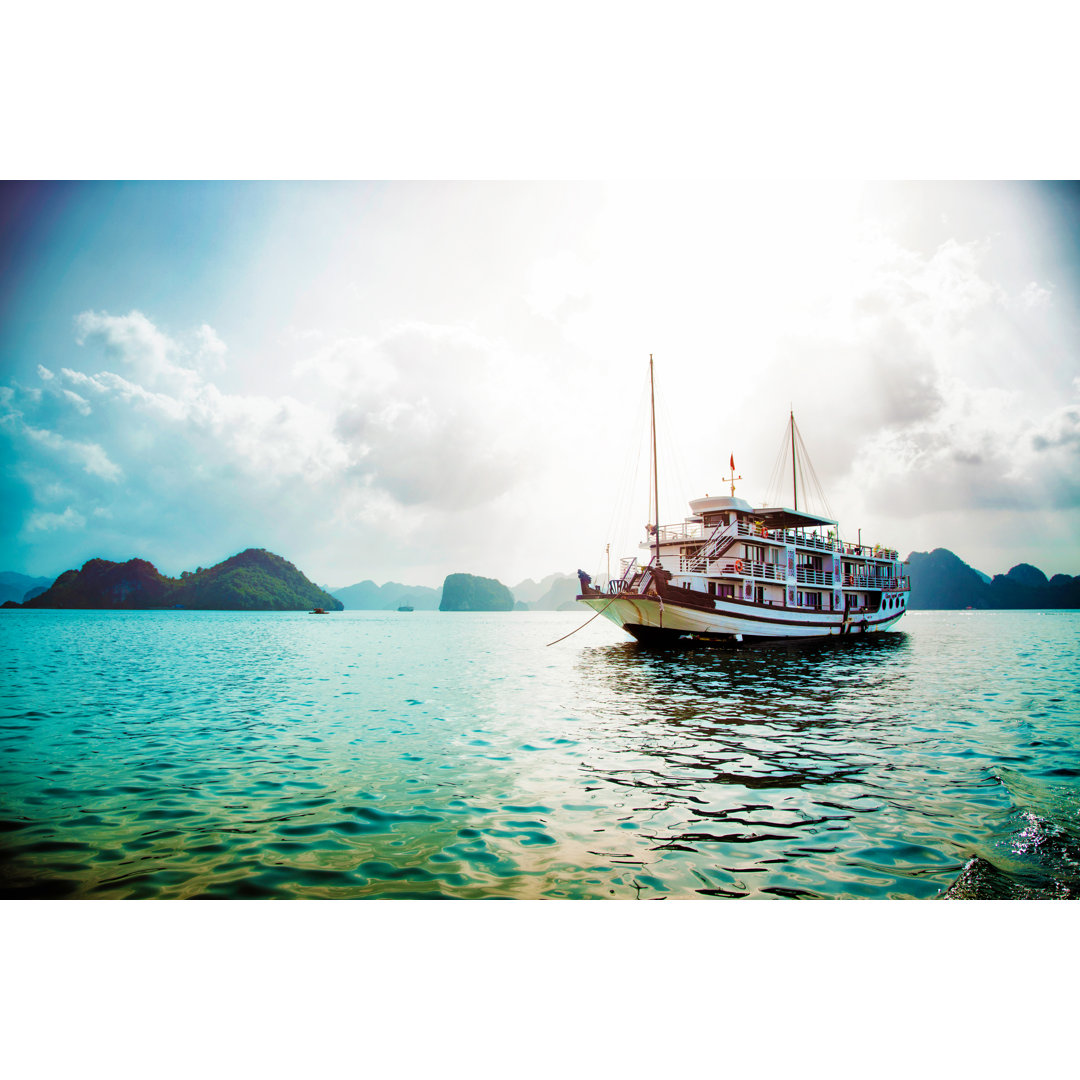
x,y
755,553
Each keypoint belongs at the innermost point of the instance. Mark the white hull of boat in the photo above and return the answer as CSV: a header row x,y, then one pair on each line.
x,y
648,616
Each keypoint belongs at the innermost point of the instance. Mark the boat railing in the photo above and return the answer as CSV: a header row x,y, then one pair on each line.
x,y
687,530
877,581
760,532
866,551
768,571
807,575
737,568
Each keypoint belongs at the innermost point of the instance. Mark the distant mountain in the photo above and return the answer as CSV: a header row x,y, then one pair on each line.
x,y
529,591
561,596
1026,586
367,596
940,580
466,592
1026,576
254,580
556,592
15,586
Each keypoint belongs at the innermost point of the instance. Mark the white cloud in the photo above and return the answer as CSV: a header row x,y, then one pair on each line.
x,y
89,456
1035,295
49,522
80,403
432,416
135,341
210,350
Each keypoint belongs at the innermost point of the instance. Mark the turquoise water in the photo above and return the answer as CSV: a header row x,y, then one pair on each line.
x,y
423,754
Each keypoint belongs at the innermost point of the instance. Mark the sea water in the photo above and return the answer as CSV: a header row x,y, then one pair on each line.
x,y
427,754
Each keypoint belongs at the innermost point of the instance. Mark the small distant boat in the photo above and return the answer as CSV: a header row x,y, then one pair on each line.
x,y
318,611
405,607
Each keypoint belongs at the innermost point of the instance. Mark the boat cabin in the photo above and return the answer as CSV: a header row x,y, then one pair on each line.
x,y
770,556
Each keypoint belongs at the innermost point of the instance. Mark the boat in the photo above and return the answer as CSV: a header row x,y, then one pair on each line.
x,y
318,611
732,573
405,607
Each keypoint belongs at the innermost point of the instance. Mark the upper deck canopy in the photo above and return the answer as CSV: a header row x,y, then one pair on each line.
x,y
780,517
776,517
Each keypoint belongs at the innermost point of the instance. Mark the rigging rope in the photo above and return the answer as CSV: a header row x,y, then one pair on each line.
x,y
673,483
808,467
775,491
623,512
809,486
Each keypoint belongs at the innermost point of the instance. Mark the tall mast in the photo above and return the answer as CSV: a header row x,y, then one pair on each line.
x,y
794,478
656,477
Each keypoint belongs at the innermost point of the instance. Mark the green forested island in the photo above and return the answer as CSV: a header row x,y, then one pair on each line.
x,y
254,580
466,592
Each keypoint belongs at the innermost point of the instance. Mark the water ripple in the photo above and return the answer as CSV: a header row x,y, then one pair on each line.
x,y
205,754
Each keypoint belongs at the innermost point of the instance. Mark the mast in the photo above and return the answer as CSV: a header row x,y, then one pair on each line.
x,y
794,478
656,477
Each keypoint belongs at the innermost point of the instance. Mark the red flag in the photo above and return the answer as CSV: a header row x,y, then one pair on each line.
x,y
732,462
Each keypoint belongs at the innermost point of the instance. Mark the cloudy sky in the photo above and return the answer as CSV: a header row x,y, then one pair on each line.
x,y
402,380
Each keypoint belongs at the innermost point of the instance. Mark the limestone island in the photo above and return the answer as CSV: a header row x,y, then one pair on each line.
x,y
254,580
465,592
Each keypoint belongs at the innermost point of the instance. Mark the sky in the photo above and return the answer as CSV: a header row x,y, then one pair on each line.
x,y
405,379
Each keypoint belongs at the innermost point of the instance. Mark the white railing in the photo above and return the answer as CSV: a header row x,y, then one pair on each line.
x,y
673,534
806,575
733,568
868,552
876,581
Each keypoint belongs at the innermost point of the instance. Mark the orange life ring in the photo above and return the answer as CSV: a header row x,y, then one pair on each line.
x,y
738,566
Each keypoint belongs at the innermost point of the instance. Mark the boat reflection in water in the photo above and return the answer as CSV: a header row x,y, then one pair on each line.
x,y
783,770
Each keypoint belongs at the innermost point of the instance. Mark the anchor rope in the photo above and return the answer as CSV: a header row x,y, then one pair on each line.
x,y
583,625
